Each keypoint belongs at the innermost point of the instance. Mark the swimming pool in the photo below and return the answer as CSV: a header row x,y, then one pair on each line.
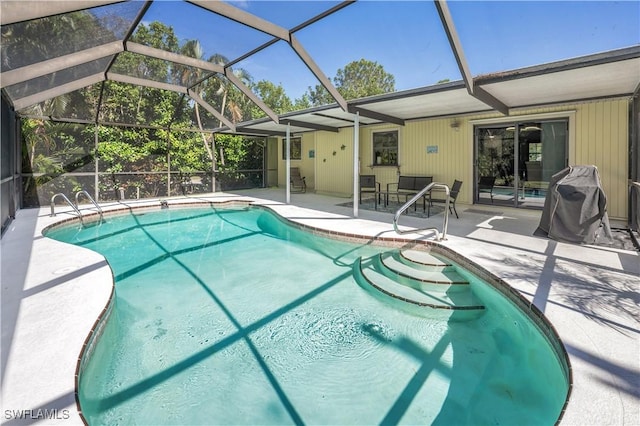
x,y
232,316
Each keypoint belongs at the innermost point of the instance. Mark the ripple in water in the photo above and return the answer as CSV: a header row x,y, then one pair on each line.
x,y
338,333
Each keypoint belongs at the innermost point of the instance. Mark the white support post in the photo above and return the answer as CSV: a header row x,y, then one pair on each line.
x,y
168,165
213,163
356,163
288,165
96,178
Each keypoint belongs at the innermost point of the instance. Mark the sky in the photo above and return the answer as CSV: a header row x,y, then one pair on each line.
x,y
407,38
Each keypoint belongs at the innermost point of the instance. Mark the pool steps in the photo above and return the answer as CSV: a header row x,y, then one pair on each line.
x,y
421,277
423,258
419,281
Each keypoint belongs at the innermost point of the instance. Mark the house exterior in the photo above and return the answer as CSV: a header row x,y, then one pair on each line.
x,y
446,148
516,128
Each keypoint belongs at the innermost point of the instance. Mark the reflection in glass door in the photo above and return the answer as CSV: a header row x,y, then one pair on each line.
x,y
495,160
542,153
514,163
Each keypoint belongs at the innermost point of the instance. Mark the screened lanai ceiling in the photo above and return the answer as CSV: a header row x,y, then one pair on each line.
x,y
255,67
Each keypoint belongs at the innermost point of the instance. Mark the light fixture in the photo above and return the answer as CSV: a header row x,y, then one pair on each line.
x,y
455,124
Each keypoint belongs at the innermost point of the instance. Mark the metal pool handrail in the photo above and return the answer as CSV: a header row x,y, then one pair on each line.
x,y
405,206
86,194
73,206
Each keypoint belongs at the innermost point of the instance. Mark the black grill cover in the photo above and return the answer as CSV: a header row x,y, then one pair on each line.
x,y
575,209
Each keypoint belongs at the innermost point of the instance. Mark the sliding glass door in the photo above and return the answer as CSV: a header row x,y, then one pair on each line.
x,y
514,162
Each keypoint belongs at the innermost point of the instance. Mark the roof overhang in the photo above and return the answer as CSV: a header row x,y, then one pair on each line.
x,y
604,75
607,75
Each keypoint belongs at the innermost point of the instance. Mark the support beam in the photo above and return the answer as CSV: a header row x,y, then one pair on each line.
x,y
12,11
239,15
454,41
152,52
27,101
376,115
211,110
482,95
308,125
315,69
254,98
258,132
249,54
456,48
145,83
50,66
322,15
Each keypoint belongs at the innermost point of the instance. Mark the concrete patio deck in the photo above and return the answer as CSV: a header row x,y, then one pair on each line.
x,y
52,294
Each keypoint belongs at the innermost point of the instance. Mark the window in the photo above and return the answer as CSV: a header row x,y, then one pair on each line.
x,y
385,148
296,149
520,158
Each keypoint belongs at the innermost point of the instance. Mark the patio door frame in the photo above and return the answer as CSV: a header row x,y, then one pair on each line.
x,y
477,125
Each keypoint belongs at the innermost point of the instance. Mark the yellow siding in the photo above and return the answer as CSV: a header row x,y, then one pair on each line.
x,y
334,165
598,135
306,164
452,161
602,140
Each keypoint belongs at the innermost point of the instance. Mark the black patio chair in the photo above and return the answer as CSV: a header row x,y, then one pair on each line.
x,y
485,185
297,182
368,185
453,195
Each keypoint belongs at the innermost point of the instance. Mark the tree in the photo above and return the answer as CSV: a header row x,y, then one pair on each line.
x,y
363,78
34,40
232,98
303,103
193,49
358,79
273,96
318,96
241,158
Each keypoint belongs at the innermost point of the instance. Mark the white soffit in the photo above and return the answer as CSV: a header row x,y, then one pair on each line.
x,y
335,117
345,116
434,104
596,81
270,126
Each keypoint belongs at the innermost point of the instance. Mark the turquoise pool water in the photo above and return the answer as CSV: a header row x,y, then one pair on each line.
x,y
230,316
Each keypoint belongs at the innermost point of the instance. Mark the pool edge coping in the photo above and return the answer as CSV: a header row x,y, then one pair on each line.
x,y
528,308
